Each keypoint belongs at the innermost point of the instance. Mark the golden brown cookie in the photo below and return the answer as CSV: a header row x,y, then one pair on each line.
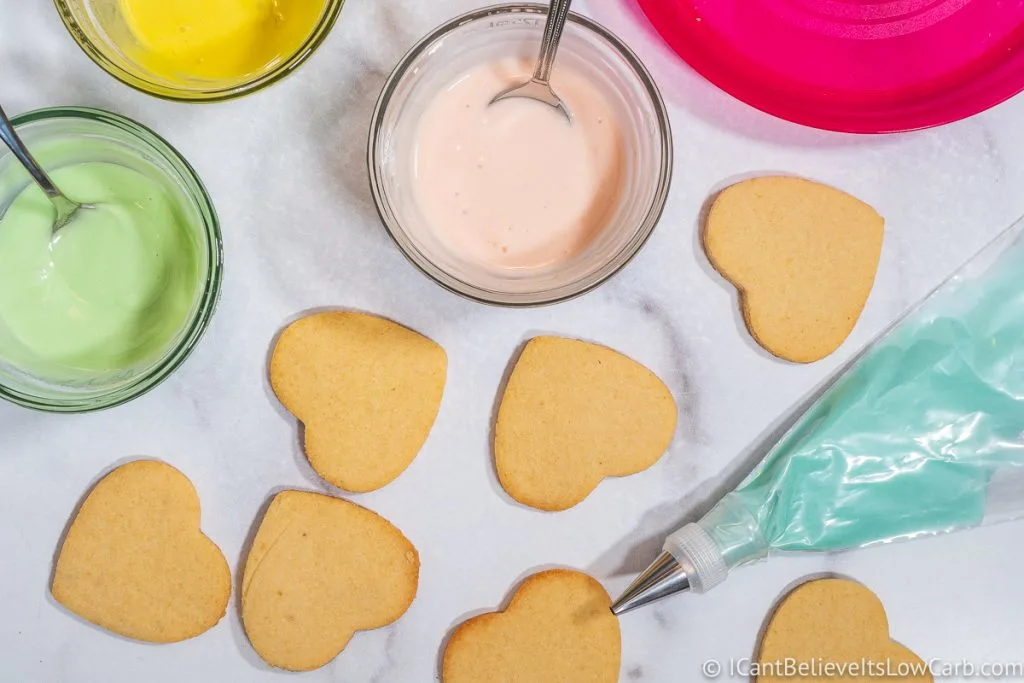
x,y
558,627
366,389
803,256
135,562
320,569
574,413
837,621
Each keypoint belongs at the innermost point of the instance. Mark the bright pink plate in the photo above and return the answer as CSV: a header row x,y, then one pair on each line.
x,y
857,66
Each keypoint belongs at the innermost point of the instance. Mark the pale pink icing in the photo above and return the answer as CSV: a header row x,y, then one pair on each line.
x,y
514,184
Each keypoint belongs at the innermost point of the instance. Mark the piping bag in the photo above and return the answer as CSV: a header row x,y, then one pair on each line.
x,y
920,434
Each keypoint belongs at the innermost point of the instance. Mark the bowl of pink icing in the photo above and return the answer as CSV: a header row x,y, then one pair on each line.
x,y
509,203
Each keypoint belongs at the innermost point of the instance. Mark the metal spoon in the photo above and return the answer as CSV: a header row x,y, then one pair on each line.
x,y
539,86
65,207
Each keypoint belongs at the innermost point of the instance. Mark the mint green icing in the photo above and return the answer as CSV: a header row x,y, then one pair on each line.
x,y
111,289
907,441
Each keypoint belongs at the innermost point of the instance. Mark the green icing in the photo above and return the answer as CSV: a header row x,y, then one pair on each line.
x,y
111,289
907,441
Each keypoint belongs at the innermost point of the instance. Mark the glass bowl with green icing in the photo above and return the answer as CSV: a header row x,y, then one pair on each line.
x,y
105,308
199,50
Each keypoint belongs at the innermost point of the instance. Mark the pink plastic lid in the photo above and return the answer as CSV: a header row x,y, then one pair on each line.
x,y
857,66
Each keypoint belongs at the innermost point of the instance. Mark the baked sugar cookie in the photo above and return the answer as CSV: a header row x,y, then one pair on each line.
x,y
837,621
574,413
135,562
558,627
320,569
803,256
366,389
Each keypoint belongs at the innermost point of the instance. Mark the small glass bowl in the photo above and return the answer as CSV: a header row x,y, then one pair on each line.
x,y
106,137
101,31
514,31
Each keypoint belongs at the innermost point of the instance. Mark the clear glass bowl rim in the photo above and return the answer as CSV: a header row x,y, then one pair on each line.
x,y
304,52
211,287
449,282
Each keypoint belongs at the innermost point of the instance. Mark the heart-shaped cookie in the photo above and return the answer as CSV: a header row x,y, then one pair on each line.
x,y
835,629
557,627
574,413
135,562
320,569
803,256
366,389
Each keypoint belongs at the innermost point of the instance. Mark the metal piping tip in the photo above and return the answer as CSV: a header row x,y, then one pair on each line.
x,y
663,578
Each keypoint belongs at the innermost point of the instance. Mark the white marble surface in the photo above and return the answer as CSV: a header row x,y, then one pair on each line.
x,y
286,170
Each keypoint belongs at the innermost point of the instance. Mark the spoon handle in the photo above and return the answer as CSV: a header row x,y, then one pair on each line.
x,y
557,14
12,140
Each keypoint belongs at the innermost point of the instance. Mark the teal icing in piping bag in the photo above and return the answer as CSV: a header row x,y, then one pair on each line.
x,y
919,436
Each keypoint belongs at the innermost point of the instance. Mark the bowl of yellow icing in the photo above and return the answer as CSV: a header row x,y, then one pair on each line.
x,y
199,50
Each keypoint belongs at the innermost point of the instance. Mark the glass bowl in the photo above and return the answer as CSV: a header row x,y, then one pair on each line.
x,y
104,137
99,28
514,31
